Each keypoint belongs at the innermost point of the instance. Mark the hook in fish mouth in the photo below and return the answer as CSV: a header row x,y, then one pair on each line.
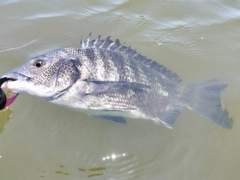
x,y
4,79
4,101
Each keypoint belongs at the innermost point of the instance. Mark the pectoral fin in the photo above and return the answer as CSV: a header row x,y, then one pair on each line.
x,y
111,87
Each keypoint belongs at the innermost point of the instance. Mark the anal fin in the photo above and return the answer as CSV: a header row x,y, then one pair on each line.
x,y
168,119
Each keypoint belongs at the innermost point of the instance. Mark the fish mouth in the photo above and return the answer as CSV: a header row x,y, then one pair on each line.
x,y
4,79
9,79
17,76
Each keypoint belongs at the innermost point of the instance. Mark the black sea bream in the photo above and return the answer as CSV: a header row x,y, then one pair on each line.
x,y
111,81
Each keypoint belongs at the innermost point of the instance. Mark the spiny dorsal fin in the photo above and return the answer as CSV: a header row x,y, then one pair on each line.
x,y
116,46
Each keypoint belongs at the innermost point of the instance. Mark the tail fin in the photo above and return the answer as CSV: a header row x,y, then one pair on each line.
x,y
204,98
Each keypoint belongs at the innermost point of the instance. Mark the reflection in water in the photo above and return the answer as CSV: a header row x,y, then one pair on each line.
x,y
113,157
97,174
60,172
5,116
92,172
88,172
82,172
97,169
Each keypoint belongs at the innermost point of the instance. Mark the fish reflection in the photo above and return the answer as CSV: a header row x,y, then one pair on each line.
x,y
5,117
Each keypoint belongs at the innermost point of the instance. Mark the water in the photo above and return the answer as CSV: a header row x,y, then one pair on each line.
x,y
198,40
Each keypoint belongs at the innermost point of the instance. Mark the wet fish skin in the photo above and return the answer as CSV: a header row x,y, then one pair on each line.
x,y
107,79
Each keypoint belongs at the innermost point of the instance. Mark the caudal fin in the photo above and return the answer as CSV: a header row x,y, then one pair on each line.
x,y
204,98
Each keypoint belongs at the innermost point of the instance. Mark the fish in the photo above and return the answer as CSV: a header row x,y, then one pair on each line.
x,y
111,81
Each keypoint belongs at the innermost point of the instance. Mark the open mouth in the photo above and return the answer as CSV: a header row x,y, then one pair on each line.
x,y
6,101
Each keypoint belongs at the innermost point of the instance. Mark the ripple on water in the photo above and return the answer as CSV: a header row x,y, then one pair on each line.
x,y
46,15
8,2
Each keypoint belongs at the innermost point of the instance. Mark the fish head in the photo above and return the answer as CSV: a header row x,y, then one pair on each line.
x,y
46,75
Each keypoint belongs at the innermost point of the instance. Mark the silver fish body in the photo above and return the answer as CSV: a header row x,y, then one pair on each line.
x,y
109,80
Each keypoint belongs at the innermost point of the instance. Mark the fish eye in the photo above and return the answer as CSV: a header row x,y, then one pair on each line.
x,y
38,63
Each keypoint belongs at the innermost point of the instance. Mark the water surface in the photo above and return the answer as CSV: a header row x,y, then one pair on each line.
x,y
198,40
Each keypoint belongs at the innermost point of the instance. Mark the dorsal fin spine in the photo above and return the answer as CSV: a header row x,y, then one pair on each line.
x,y
116,46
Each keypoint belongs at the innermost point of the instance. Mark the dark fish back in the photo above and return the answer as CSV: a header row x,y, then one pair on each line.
x,y
116,46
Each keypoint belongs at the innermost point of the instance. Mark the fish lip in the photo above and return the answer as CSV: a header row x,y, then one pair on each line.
x,y
17,76
14,76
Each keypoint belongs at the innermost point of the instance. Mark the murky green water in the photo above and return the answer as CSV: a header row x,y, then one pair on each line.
x,y
198,40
